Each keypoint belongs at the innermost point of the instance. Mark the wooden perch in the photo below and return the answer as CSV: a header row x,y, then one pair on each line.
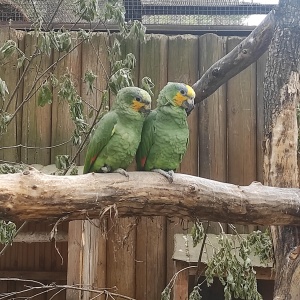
x,y
243,55
32,195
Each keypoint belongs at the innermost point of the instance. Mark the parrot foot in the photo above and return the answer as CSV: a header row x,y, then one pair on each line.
x,y
106,169
122,172
167,174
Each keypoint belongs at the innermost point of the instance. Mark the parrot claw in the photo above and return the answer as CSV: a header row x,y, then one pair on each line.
x,y
167,174
122,172
106,169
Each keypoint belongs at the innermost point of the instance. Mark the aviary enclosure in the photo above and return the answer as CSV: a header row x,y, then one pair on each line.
x,y
135,255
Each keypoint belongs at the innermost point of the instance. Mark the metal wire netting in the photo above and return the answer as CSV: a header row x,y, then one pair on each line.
x,y
154,12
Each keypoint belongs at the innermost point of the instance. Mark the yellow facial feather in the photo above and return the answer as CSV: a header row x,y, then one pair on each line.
x,y
136,105
190,92
179,98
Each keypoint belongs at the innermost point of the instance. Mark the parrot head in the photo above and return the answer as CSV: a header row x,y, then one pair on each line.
x,y
177,94
134,99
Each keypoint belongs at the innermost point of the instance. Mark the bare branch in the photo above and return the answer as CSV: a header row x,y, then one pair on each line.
x,y
32,195
243,55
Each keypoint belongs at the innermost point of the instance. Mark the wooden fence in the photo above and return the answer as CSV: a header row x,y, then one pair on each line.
x,y
225,144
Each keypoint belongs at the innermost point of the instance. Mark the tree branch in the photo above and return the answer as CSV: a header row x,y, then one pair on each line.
x,y
32,195
243,55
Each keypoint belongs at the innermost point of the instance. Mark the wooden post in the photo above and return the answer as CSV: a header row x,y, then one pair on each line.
x,y
281,101
181,287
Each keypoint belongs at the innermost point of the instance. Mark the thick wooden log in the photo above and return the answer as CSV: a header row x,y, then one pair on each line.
x,y
32,195
242,56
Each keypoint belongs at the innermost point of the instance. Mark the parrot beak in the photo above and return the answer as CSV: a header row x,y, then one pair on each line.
x,y
145,110
188,105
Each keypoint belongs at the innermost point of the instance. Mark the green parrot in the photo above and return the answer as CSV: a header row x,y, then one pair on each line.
x,y
117,136
165,133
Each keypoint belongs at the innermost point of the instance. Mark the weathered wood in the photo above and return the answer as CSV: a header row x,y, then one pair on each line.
x,y
144,194
181,287
212,119
74,259
36,124
241,122
9,73
62,125
281,101
243,55
151,261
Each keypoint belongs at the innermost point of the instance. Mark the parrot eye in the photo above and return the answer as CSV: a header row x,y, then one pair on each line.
x,y
138,99
182,92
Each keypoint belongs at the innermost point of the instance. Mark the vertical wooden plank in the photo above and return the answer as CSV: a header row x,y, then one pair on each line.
x,y
241,123
93,256
212,119
183,67
121,256
121,246
151,261
98,233
10,74
31,249
181,287
36,120
62,125
74,272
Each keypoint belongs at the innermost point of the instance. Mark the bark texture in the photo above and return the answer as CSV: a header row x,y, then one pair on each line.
x,y
32,195
281,99
242,56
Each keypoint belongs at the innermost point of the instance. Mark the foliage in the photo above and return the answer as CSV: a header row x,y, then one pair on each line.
x,y
7,232
232,264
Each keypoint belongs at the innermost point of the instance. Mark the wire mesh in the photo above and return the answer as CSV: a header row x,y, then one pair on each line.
x,y
150,12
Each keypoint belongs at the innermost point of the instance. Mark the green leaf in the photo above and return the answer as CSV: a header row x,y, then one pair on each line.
x,y
3,89
45,95
137,31
87,9
195,294
166,294
148,85
8,48
4,120
89,79
7,231
20,61
45,42
62,162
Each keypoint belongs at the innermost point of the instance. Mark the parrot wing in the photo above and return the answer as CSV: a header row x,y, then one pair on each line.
x,y
146,140
103,133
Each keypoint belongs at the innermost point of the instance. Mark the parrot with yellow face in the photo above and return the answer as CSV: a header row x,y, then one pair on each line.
x,y
117,135
165,133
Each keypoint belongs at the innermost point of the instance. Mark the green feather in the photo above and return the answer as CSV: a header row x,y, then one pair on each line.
x,y
165,132
118,133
